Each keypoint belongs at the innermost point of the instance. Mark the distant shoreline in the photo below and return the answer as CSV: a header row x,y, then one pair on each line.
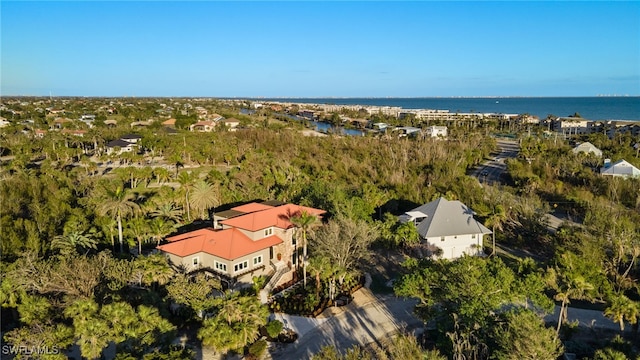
x,y
602,108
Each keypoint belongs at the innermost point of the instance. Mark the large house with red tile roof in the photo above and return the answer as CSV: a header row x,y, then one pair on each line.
x,y
245,241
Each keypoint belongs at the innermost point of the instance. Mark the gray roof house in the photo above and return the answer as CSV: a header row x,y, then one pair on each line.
x,y
620,168
120,145
448,225
587,147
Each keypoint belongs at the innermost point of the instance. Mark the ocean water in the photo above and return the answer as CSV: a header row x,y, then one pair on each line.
x,y
590,108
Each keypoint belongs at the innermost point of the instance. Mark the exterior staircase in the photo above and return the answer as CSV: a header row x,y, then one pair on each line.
x,y
281,269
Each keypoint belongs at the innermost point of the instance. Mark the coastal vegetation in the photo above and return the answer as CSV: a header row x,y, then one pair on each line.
x,y
80,224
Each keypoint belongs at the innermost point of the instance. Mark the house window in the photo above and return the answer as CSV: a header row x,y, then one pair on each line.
x,y
240,266
257,260
473,236
294,258
442,238
195,261
268,232
220,266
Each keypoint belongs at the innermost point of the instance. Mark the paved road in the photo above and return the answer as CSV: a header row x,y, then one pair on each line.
x,y
491,171
372,319
589,319
367,319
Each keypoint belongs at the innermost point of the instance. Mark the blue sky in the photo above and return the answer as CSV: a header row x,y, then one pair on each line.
x,y
317,49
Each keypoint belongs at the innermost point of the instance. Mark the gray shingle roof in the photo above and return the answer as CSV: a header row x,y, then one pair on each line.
x,y
118,142
447,218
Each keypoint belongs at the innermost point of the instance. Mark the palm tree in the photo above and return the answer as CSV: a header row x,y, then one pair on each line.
x,y
159,228
621,308
568,284
74,241
496,220
118,203
154,269
318,266
186,180
106,225
203,197
237,323
305,222
139,229
162,175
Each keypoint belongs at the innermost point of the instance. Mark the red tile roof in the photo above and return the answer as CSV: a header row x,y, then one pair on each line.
x,y
275,216
252,207
228,244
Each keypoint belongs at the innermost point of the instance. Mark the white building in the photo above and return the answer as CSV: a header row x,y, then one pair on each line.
x,y
587,148
620,168
436,131
448,226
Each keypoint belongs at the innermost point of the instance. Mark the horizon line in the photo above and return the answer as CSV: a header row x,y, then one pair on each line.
x,y
322,97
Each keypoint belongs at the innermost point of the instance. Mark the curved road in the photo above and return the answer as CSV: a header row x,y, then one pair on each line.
x,y
491,171
366,320
370,319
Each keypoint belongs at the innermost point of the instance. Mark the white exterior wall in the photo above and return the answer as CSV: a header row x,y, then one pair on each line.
x,y
454,247
435,131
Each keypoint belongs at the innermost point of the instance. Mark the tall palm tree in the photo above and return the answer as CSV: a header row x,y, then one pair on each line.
x,y
568,284
496,220
118,203
305,222
139,229
162,175
186,181
203,197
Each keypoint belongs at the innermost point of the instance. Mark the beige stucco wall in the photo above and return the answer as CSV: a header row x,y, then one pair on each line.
x,y
286,249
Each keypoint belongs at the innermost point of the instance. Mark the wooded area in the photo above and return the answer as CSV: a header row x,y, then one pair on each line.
x,y
78,224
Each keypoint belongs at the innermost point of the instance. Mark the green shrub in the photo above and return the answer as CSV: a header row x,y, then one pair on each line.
x,y
274,328
257,348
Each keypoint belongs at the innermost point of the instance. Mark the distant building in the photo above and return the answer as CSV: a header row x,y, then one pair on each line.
x,y
111,123
620,168
131,138
39,133
407,131
231,123
309,114
88,119
203,126
379,126
571,126
436,131
169,123
587,148
59,123
118,147
126,143
79,133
